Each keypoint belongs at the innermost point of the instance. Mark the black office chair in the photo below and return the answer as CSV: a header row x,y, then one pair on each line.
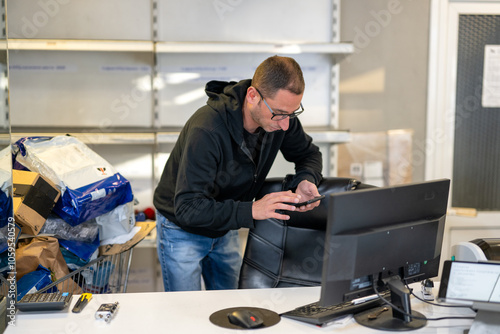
x,y
289,253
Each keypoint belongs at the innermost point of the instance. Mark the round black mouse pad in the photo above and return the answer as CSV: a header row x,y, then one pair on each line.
x,y
220,318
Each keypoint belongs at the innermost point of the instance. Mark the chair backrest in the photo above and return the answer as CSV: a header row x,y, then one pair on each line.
x,y
289,253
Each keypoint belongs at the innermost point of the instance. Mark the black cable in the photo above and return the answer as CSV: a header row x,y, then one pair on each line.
x,y
411,315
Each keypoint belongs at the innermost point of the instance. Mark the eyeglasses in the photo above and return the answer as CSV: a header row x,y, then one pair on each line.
x,y
279,117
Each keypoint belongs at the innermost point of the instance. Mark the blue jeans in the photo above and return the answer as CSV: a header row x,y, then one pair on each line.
x,y
185,258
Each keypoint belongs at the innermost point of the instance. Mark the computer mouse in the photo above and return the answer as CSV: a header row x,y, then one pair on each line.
x,y
245,319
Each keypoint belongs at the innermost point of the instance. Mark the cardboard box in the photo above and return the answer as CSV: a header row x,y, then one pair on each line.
x,y
145,228
378,158
34,198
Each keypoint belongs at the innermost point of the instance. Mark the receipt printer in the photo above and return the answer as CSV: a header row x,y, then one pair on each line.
x,y
477,250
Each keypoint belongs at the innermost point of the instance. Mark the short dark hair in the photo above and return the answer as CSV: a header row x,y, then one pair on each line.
x,y
277,73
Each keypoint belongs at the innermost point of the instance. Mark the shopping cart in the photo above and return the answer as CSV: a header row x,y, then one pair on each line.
x,y
106,274
4,286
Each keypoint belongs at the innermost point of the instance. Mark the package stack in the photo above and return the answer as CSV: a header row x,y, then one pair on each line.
x,y
69,200
5,203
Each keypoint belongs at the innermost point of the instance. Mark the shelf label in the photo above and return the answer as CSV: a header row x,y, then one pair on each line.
x,y
44,68
126,68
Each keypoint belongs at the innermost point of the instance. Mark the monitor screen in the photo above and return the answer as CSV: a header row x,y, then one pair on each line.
x,y
380,236
476,283
471,282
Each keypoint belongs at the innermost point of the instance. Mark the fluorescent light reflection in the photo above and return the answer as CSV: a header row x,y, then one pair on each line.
x,y
190,96
143,83
180,77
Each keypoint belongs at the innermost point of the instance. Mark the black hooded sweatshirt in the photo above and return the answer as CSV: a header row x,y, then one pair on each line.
x,y
210,180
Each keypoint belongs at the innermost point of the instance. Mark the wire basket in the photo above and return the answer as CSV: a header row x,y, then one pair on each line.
x,y
106,274
4,286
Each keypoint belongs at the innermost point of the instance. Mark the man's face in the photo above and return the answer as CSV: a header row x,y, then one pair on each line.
x,y
283,102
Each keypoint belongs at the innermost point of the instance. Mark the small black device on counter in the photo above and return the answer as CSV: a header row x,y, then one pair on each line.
x,y
53,301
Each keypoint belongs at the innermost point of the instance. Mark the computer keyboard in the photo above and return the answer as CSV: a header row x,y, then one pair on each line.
x,y
320,315
44,301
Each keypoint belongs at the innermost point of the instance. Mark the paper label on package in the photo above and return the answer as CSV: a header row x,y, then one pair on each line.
x,y
99,193
491,77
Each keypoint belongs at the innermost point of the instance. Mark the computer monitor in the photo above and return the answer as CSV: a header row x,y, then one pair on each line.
x,y
476,284
384,237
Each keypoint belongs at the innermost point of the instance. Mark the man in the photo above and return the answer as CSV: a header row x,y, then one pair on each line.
x,y
219,163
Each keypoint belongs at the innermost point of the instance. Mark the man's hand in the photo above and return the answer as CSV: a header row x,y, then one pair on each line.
x,y
266,206
307,190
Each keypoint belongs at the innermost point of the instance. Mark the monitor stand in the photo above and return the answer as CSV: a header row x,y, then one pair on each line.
x,y
386,321
386,318
487,319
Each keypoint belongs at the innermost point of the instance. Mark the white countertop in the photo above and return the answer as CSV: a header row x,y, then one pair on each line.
x,y
189,312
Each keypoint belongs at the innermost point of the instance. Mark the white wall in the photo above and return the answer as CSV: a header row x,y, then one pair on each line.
x,y
383,85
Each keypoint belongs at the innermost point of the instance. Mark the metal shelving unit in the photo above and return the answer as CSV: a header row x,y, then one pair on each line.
x,y
329,135
319,135
80,45
339,49
286,48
